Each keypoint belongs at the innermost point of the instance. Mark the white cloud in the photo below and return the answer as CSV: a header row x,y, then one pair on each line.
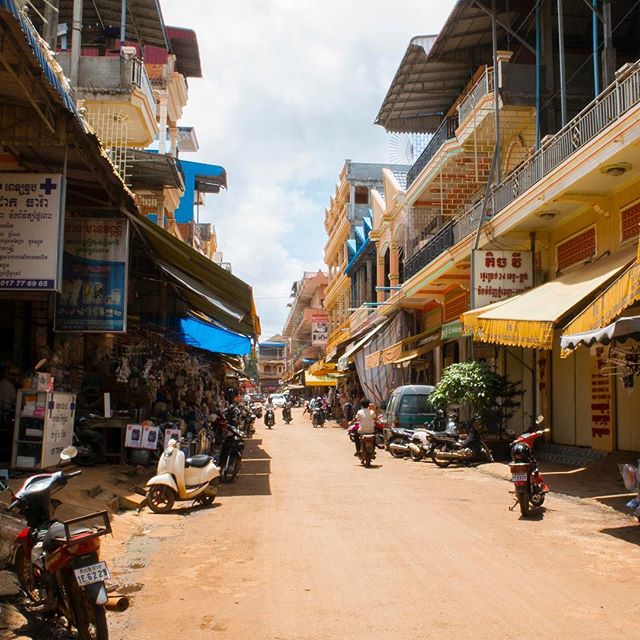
x,y
291,89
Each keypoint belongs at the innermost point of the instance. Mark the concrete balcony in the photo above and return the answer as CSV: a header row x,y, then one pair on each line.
x,y
111,88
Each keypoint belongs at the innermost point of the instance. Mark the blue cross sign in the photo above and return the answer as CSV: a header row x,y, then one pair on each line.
x,y
48,185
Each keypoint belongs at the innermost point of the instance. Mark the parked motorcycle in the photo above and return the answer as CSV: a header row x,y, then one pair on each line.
x,y
57,562
367,449
530,487
286,413
398,442
269,418
181,478
90,444
318,417
230,457
468,450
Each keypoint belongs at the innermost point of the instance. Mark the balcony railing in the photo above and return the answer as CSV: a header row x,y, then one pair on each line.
x,y
446,131
140,78
482,87
611,104
442,241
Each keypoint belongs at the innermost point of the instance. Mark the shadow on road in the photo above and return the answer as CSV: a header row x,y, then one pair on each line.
x,y
253,478
630,533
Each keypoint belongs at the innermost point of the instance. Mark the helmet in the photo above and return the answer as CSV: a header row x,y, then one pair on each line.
x,y
520,452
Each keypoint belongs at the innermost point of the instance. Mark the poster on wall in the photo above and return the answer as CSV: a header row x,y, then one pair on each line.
x,y
31,208
319,330
501,274
59,432
94,276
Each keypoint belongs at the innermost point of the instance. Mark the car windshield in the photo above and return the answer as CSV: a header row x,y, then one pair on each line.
x,y
415,404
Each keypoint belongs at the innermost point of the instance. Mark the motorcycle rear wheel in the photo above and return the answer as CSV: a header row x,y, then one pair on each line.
x,y
523,500
89,618
160,498
443,464
366,459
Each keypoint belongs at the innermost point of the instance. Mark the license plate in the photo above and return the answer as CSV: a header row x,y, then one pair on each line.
x,y
98,572
519,477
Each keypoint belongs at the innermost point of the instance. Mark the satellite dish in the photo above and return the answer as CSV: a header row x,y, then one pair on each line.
x,y
405,148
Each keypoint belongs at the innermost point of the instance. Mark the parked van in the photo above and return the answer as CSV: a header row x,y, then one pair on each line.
x,y
408,407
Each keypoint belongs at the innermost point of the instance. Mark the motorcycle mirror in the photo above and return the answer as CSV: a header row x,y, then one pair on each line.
x,y
41,363
68,453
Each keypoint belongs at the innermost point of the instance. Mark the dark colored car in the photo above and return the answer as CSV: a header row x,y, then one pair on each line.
x,y
408,407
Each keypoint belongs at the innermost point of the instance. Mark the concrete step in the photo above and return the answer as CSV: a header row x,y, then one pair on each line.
x,y
568,455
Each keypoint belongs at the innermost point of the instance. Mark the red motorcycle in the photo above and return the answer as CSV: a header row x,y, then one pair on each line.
x,y
530,487
58,563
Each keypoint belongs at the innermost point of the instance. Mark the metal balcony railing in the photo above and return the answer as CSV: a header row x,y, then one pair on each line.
x,y
442,241
446,131
140,78
483,86
618,98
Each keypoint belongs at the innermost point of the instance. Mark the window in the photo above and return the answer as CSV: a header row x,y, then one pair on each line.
x,y
576,249
415,404
630,221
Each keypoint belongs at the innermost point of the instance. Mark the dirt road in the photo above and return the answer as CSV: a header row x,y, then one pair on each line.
x,y
309,545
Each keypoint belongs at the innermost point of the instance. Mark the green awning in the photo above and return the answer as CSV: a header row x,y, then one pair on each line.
x,y
205,285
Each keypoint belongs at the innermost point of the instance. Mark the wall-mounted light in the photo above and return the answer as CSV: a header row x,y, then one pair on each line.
x,y
616,170
547,215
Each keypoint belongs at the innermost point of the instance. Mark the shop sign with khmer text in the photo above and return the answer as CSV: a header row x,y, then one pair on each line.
x,y
31,206
500,274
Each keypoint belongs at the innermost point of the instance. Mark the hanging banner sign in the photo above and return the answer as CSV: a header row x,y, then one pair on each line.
x,y
319,330
500,274
31,206
94,274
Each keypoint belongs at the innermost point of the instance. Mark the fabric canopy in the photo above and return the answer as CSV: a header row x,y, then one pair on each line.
x,y
624,292
318,381
356,345
205,285
206,336
620,330
529,319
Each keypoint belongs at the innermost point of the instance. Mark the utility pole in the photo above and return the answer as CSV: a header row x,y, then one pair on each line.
x,y
76,42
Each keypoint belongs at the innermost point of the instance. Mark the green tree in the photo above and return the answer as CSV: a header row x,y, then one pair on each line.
x,y
479,389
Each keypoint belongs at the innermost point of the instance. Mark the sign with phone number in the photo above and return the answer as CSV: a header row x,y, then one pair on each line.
x,y
23,283
31,212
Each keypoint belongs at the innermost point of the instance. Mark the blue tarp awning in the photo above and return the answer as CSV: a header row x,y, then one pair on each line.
x,y
209,337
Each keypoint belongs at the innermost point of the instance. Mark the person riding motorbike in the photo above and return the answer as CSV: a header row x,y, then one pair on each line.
x,y
366,418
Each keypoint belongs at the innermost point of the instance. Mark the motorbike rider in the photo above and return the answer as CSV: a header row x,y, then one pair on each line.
x,y
473,441
366,418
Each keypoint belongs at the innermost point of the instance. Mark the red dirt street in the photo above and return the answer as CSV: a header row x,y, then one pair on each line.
x,y
309,545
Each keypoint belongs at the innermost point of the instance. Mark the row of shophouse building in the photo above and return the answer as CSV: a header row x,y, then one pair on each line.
x,y
517,223
103,255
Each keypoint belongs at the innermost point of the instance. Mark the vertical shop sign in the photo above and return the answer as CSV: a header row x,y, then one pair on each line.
x,y
319,330
59,431
31,206
602,403
94,276
500,274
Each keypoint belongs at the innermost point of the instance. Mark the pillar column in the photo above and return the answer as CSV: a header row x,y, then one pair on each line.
x,y
394,269
162,122
380,279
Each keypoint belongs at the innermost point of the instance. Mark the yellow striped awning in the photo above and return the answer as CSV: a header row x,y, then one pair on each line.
x,y
322,368
318,381
529,319
623,293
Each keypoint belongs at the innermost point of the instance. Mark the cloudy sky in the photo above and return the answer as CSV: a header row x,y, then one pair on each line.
x,y
290,90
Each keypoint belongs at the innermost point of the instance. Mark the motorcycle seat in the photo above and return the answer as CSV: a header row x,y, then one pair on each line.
x,y
55,535
198,461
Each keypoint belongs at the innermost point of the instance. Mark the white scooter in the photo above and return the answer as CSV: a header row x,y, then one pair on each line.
x,y
179,478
